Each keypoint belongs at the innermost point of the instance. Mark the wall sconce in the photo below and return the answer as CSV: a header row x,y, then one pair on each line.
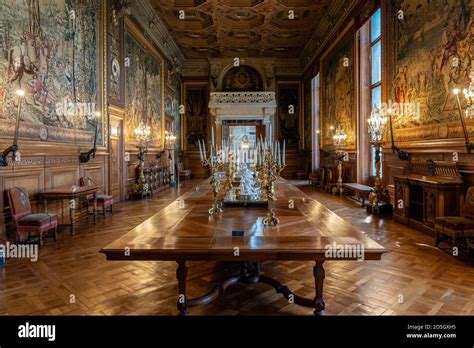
x,y
143,135
402,155
14,147
85,157
469,112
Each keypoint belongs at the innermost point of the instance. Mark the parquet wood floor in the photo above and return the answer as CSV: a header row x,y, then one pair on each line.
x,y
413,278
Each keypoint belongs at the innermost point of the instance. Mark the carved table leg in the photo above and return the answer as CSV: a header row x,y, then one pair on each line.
x,y
72,211
181,275
95,207
319,275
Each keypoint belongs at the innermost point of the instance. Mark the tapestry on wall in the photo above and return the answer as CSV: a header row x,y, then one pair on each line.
x,y
432,57
288,112
48,48
338,92
144,101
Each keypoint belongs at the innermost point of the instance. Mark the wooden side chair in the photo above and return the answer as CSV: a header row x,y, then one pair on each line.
x,y
26,222
105,202
458,227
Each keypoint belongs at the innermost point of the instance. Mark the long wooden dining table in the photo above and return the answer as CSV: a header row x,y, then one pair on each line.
x,y
183,231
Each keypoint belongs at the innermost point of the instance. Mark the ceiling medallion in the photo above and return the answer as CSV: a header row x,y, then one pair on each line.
x,y
241,14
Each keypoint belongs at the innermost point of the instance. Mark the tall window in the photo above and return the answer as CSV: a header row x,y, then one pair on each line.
x,y
315,121
375,58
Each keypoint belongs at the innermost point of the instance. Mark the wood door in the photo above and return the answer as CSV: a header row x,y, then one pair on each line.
x,y
116,160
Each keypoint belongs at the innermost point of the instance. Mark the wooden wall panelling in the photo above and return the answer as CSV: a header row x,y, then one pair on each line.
x,y
63,175
31,178
96,171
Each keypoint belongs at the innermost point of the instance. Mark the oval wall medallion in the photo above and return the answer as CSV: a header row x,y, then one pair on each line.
x,y
443,131
115,67
43,133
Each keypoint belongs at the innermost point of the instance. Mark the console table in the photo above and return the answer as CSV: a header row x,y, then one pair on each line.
x,y
70,193
430,190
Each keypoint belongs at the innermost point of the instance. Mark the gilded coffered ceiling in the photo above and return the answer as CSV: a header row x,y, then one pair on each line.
x,y
247,28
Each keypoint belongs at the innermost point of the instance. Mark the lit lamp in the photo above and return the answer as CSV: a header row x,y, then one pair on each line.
x,y
469,112
339,140
376,126
143,135
85,157
14,147
170,140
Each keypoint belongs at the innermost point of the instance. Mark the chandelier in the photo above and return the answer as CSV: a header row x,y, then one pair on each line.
x,y
377,123
469,94
339,136
143,133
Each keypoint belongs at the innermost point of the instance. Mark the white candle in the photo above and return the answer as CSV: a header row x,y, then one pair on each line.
x,y
212,135
278,153
200,149
270,133
284,151
258,153
205,153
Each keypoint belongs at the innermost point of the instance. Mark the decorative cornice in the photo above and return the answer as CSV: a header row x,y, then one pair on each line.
x,y
242,97
315,45
144,13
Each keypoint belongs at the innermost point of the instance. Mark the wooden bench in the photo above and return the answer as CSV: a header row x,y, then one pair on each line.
x,y
360,190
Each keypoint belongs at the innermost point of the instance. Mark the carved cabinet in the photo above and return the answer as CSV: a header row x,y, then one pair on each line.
x,y
157,177
430,190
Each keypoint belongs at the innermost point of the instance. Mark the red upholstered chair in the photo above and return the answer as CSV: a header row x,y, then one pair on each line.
x,y
184,174
103,201
25,221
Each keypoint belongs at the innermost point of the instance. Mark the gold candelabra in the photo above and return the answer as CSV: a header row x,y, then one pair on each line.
x,y
376,126
229,175
339,139
270,168
215,162
143,135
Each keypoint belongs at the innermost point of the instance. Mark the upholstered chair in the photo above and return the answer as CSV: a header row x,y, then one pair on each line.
x,y
184,174
25,221
458,227
105,202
